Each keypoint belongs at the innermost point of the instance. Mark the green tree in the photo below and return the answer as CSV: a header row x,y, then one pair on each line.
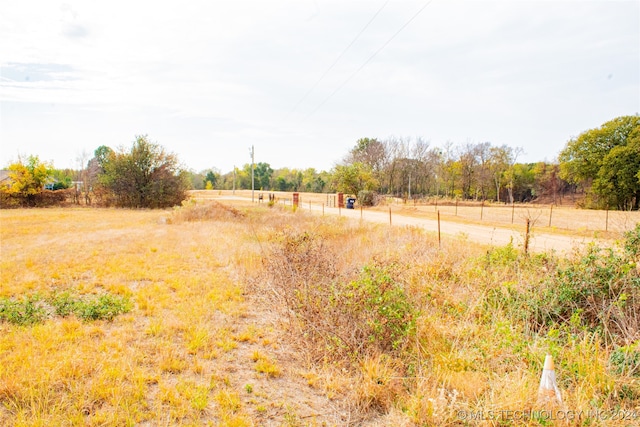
x,y
144,177
262,173
588,161
313,181
617,181
211,179
353,178
63,178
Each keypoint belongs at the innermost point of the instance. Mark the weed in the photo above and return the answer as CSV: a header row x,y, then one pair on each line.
x,y
64,303
100,307
267,367
626,360
27,311
632,243
264,364
34,309
228,401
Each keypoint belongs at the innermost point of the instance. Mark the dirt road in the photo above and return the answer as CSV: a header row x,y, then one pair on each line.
x,y
454,231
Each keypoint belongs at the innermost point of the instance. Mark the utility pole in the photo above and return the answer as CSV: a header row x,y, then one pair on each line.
x,y
234,179
253,182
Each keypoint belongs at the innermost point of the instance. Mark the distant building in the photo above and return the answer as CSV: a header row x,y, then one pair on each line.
x,y
5,179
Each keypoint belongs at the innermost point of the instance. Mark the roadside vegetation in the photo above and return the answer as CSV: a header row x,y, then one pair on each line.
x,y
598,169
212,314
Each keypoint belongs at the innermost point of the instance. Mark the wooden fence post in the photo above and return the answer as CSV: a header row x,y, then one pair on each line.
x,y
526,238
439,241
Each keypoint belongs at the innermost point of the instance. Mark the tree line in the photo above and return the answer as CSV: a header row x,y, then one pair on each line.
x,y
602,165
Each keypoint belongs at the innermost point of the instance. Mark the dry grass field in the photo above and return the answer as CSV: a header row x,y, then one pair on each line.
x,y
242,315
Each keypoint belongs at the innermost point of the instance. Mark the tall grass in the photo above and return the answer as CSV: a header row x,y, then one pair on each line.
x,y
389,328
430,334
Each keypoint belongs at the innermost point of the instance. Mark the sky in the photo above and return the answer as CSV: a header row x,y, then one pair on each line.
x,y
302,80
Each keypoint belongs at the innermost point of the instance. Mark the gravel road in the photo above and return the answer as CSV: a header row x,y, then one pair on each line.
x,y
490,235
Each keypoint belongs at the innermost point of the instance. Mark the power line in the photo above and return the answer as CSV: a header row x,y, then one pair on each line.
x,y
338,58
369,59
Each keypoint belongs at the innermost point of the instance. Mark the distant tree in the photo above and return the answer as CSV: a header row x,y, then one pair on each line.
x,y
63,178
548,182
617,181
102,156
29,177
520,182
501,159
262,174
468,166
286,179
312,181
351,179
211,179
26,185
369,151
144,177
601,160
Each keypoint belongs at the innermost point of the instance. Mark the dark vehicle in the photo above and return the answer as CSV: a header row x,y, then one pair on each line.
x,y
350,202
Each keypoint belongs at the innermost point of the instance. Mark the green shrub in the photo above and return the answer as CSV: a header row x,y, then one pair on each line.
x,y
64,303
506,255
632,243
100,307
343,316
34,309
597,292
27,311
104,307
626,360
381,305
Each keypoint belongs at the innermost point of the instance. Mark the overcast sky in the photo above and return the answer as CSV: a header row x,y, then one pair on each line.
x,y
302,82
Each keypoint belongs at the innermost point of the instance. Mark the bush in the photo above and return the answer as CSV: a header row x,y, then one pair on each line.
x,y
597,292
367,198
104,307
45,198
341,318
100,307
626,360
34,309
632,243
28,311
145,177
380,307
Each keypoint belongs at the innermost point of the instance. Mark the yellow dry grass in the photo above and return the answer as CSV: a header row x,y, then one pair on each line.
x,y
158,364
202,345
